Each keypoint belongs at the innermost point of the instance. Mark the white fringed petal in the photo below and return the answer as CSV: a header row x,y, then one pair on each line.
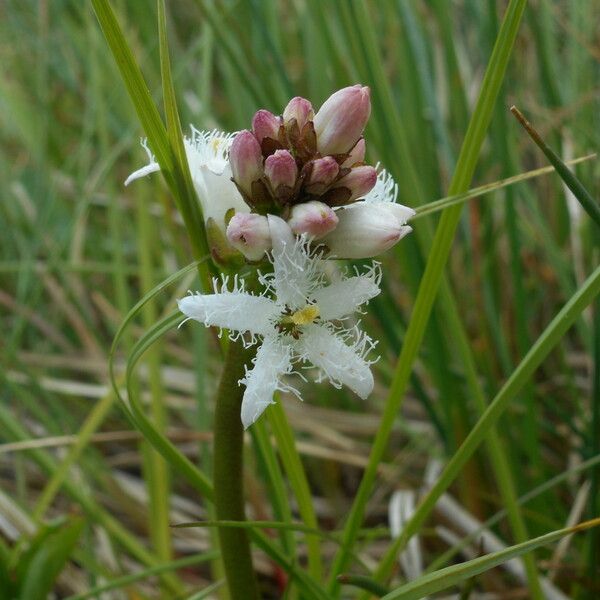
x,y
295,273
385,195
217,194
152,167
207,156
339,362
272,361
345,297
238,311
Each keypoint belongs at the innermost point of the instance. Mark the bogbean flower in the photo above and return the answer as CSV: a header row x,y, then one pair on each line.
x,y
309,170
207,153
372,225
299,319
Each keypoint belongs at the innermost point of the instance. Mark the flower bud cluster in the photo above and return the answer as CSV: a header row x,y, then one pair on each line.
x,y
309,170
302,157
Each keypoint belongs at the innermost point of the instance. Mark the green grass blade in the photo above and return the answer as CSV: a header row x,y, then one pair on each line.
x,y
538,352
434,270
127,580
488,188
169,160
450,576
136,86
591,206
180,463
295,471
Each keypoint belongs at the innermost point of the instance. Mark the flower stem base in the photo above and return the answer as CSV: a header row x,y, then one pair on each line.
x,y
228,477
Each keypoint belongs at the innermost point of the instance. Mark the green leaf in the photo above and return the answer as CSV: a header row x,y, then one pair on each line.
x,y
488,188
173,164
445,578
48,561
591,206
434,271
127,580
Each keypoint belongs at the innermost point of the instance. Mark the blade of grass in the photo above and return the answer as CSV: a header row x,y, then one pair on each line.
x,y
488,188
290,458
434,271
450,576
538,352
155,468
149,117
591,206
94,511
127,580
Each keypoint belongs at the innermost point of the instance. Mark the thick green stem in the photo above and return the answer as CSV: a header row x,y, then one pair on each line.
x,y
228,476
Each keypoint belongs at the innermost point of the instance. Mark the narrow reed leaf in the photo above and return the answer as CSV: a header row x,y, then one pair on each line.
x,y
181,464
136,86
364,583
298,482
183,179
442,203
538,352
434,270
591,206
128,580
450,576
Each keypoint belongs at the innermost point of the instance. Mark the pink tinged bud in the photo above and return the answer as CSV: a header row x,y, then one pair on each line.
x,y
324,171
360,181
357,154
365,230
249,233
281,169
265,124
300,109
313,218
342,119
246,160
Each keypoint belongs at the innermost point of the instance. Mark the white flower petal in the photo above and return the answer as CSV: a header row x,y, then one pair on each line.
x,y
364,230
149,168
236,310
401,212
272,360
385,193
217,194
344,297
295,273
281,234
339,362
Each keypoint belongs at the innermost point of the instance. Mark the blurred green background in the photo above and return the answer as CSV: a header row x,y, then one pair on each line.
x,y
77,250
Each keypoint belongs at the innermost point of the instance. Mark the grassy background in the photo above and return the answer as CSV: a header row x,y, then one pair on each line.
x,y
78,250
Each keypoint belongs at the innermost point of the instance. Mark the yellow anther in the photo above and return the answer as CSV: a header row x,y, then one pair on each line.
x,y
305,315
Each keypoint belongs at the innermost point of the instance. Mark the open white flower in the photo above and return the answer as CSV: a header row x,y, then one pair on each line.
x,y
300,318
372,224
207,153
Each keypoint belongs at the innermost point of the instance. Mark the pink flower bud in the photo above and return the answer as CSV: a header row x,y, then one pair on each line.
x,y
249,233
281,169
357,154
300,109
312,218
265,124
359,181
324,171
365,230
342,119
246,160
